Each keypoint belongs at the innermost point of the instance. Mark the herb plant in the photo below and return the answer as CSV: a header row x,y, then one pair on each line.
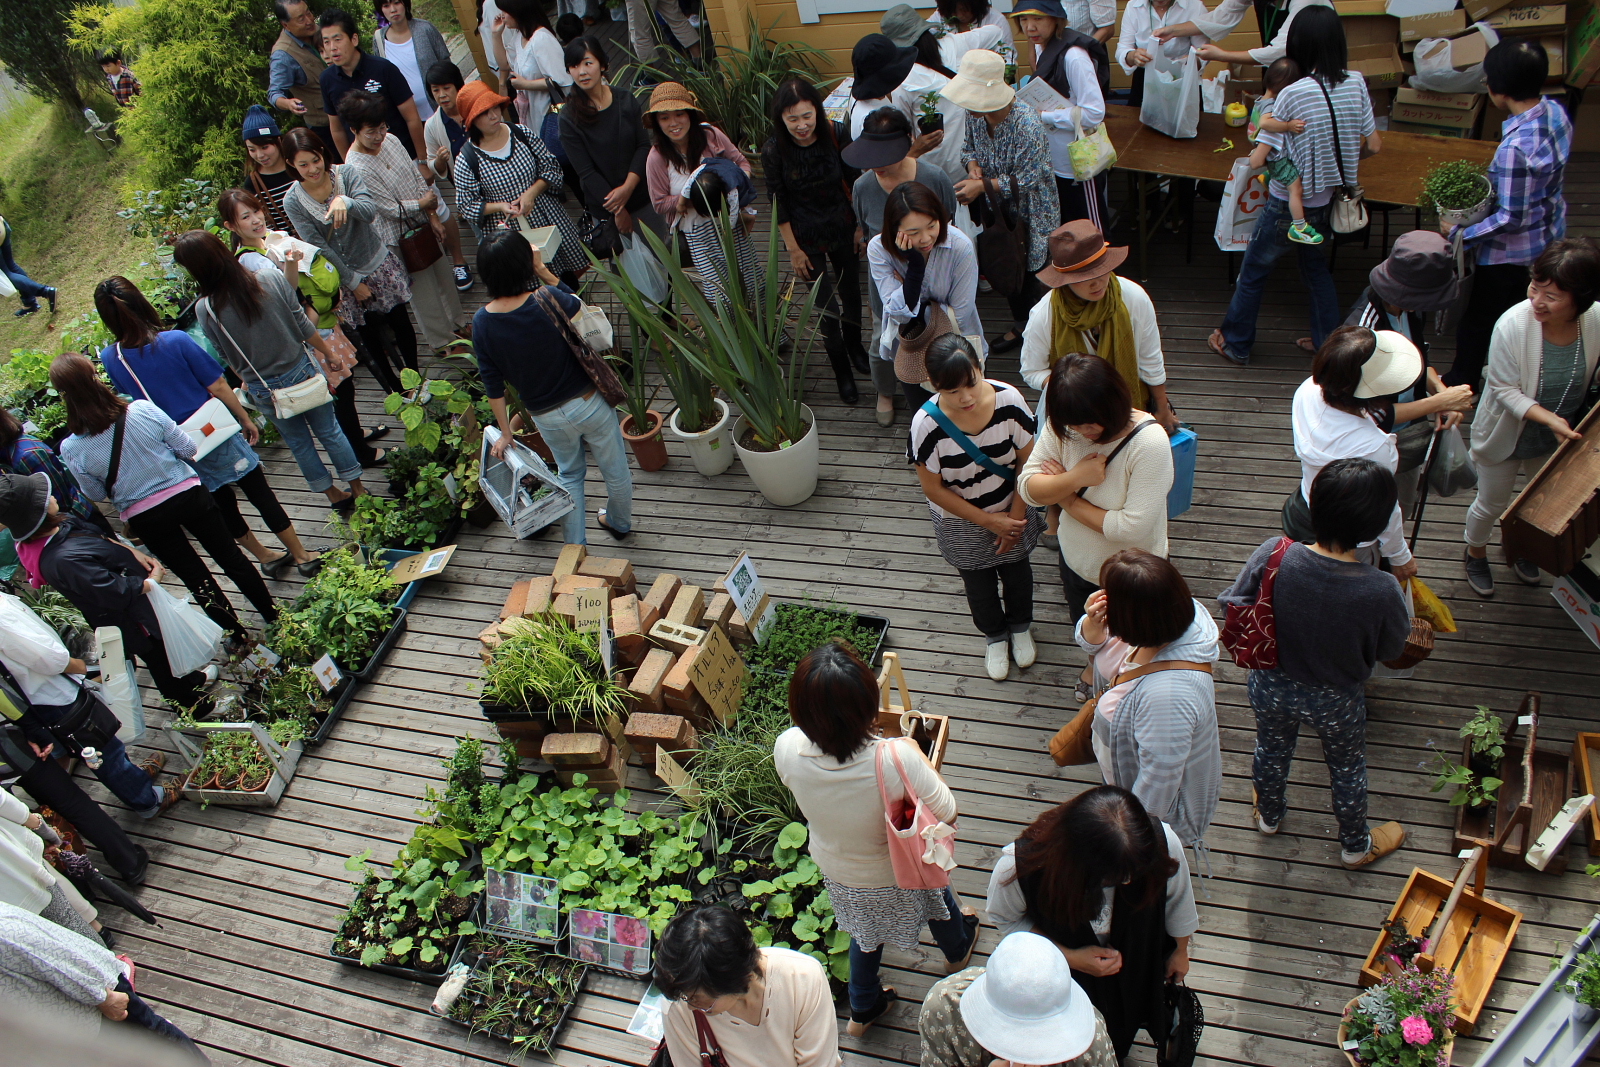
x,y
1487,732
1404,1020
411,917
1471,790
1584,981
1454,186
545,662
343,612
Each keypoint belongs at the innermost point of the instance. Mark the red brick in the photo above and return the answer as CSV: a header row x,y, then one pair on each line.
x,y
649,678
516,599
646,730
608,777
688,607
677,685
617,572
574,582
576,750
662,591
565,605
567,562
540,593
719,611
739,630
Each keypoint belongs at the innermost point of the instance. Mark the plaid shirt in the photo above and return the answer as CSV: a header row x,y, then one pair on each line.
x,y
1526,174
124,87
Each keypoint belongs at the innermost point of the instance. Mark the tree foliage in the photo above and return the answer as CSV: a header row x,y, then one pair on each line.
x,y
202,63
36,52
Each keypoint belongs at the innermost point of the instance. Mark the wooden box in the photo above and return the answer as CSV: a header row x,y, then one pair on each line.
x,y
1476,939
930,732
1586,768
1556,517
1535,785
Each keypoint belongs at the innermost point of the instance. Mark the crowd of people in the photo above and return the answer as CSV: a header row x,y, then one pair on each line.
x,y
345,249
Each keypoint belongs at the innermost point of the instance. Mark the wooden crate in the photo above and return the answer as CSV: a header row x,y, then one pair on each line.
x,y
930,732
1476,938
1536,784
1556,517
1586,768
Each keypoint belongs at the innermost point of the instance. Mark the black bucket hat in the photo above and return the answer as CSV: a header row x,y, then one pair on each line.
x,y
879,66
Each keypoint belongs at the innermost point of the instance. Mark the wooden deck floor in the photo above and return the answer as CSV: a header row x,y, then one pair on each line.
x,y
248,901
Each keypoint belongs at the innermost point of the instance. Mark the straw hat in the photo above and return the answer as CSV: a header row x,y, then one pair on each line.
x,y
1079,252
671,96
980,83
474,99
1394,364
1025,1007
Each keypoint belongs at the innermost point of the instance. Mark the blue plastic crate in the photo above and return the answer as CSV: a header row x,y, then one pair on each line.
x,y
1185,447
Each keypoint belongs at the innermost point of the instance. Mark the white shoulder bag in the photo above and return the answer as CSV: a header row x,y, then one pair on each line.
x,y
290,400
210,425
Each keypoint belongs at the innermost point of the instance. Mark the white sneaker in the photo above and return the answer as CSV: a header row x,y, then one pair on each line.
x,y
997,660
212,674
1023,649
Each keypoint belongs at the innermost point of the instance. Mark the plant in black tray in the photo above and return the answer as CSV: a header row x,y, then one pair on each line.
x,y
784,900
343,611
454,820
412,917
1475,792
1487,733
545,663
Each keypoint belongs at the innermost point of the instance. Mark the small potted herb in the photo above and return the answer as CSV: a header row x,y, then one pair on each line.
x,y
1486,732
929,119
1459,191
1475,791
1584,985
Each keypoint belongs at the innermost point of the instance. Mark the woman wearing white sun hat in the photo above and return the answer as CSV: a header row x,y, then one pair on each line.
x,y
1023,1009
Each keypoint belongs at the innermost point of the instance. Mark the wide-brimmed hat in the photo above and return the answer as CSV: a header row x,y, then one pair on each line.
x,y
902,25
980,83
879,66
474,99
671,96
258,122
24,502
1025,1007
1394,364
876,150
1052,8
1419,275
1079,252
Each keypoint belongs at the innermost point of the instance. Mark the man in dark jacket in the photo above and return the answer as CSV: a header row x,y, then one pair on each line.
x,y
50,785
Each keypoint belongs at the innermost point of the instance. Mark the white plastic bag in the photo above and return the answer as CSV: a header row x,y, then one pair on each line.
x,y
6,288
640,266
1436,70
1213,93
1242,199
118,687
191,637
1172,96
1453,469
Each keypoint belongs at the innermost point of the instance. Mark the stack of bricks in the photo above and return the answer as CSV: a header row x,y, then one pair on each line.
x,y
649,732
680,696
589,754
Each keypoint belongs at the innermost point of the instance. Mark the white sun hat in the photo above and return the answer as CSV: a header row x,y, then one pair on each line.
x,y
1025,1007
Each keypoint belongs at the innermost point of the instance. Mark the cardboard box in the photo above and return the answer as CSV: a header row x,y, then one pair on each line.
x,y
1429,98
1370,29
1379,63
1445,24
1468,50
1583,46
1555,50
1529,18
1479,10
1433,131
1449,118
1362,7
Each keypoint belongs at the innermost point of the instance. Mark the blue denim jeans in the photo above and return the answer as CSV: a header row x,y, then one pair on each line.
x,y
29,290
952,935
1270,240
589,421
127,782
1339,716
297,431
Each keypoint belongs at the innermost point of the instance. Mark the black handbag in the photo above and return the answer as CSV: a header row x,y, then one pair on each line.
x,y
1186,1021
600,235
88,723
1002,246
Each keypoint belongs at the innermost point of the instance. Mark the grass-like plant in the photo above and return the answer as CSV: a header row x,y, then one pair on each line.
x,y
546,661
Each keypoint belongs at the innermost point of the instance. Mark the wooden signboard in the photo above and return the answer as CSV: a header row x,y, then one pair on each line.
x,y
1557,515
719,675
680,781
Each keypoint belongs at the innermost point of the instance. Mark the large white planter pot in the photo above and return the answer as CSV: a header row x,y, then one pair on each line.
x,y
711,450
1471,216
787,476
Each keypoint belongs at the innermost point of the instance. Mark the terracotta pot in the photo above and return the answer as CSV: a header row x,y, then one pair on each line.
x,y
649,448
531,438
253,781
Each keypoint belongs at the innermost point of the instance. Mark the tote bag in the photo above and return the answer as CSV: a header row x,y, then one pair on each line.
x,y
1172,96
289,400
1250,631
1242,200
210,425
1091,153
921,846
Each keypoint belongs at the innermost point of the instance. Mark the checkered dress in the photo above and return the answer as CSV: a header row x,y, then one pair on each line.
x,y
482,179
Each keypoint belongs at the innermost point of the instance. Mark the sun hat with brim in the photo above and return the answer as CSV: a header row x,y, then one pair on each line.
x,y
1419,275
1052,8
1079,252
879,66
671,96
1393,366
902,25
474,99
24,502
1025,1007
980,83
876,150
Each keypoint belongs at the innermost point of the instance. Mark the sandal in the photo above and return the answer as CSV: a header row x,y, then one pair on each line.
x,y
620,535
1219,344
1305,344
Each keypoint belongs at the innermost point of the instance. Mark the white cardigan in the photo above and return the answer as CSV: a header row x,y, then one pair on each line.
x,y
25,880
1516,357
1037,357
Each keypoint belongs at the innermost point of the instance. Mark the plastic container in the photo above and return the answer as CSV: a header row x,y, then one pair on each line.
x,y
1185,449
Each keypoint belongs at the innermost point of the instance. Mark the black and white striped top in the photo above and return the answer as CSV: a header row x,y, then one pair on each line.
x,y
1010,429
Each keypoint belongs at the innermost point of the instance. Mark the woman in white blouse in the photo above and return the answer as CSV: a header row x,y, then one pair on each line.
x,y
1062,57
1139,42
1225,17
536,71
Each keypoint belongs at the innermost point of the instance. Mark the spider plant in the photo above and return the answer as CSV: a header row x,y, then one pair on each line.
x,y
735,773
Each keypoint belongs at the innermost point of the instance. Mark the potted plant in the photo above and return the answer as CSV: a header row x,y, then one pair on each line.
x,y
929,120
1403,1021
409,919
1459,191
546,667
641,423
1486,734
1475,791
1584,985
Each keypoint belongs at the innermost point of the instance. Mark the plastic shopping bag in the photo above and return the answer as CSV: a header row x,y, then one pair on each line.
x,y
118,688
192,639
1436,68
1425,604
1172,96
1242,198
6,288
641,267
1092,152
1452,469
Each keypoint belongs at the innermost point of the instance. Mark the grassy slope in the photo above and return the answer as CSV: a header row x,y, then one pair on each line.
x,y
61,194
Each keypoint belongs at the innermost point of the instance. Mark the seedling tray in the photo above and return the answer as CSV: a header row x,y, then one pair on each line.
x,y
385,644
284,759
425,977
877,623
470,996
342,694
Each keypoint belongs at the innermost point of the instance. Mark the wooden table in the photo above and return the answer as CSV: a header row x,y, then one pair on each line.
x,y
1393,176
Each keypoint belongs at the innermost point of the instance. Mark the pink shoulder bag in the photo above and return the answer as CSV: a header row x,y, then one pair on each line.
x,y
921,846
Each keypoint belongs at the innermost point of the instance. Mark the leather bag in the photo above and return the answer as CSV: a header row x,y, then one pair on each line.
x,y
1073,744
593,363
1002,246
289,400
420,249
1348,213
1249,632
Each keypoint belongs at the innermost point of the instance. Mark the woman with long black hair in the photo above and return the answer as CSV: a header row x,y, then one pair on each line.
x,y
1108,883
607,145
809,185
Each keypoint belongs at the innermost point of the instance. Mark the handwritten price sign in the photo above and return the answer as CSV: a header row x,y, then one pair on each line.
x,y
719,674
593,606
327,673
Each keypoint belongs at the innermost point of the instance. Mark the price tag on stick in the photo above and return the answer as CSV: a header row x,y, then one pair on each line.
x,y
327,673
593,606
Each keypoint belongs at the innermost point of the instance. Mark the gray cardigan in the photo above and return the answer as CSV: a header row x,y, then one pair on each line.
x,y
1516,359
429,42
1162,739
356,248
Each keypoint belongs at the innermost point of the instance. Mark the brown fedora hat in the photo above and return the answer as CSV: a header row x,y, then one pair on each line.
x,y
1079,252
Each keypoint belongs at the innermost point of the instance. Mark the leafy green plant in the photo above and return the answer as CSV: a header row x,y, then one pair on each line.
x,y
928,117
789,906
420,517
1454,185
1487,732
343,612
1584,981
25,389
455,819
60,614
1471,790
163,214
411,917
546,662
634,374
1404,1020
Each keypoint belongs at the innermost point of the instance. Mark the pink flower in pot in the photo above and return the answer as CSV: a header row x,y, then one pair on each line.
x,y
1415,1029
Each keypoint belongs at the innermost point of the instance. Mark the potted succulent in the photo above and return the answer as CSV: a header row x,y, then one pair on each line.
x,y
1403,1021
641,423
1459,191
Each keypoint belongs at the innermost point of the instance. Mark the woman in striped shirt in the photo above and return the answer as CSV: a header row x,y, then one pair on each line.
x,y
968,443
267,173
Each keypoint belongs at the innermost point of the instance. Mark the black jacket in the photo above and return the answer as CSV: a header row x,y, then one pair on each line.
x,y
103,579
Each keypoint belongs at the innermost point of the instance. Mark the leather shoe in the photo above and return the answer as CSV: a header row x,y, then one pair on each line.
x,y
858,357
848,391
171,793
1005,344
136,876
154,764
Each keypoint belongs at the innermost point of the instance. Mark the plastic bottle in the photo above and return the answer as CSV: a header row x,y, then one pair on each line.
x,y
91,756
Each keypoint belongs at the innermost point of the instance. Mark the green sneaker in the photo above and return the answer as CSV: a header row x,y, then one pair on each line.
x,y
1301,233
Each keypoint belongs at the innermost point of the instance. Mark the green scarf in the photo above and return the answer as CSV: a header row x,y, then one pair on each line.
x,y
1071,320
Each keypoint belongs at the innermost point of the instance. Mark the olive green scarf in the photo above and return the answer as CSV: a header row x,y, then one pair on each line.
x,y
1072,318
